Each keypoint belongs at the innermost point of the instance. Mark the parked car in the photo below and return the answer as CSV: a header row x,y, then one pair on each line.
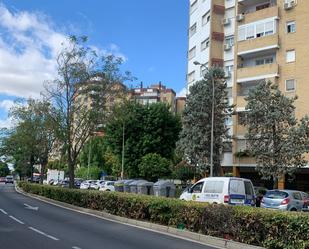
x,y
289,200
108,186
9,179
64,183
96,185
86,184
259,193
228,190
306,201
2,179
78,182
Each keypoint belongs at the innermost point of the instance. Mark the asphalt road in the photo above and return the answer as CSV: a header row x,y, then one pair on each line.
x,y
27,223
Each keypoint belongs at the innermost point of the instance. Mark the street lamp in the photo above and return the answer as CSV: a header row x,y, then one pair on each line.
x,y
122,154
212,118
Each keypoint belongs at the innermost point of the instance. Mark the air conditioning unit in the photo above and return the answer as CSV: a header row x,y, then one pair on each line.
x,y
289,5
227,74
226,21
227,47
240,17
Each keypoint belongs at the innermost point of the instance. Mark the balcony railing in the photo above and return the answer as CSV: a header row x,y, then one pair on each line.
x,y
252,16
259,44
257,72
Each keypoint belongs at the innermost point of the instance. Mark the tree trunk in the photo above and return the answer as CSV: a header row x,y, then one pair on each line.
x,y
43,167
71,166
275,186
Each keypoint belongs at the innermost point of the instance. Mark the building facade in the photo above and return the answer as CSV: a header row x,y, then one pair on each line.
x,y
252,40
154,94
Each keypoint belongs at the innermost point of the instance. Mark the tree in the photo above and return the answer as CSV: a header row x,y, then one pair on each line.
x,y
195,138
84,79
146,129
93,173
93,153
153,166
273,135
4,169
32,138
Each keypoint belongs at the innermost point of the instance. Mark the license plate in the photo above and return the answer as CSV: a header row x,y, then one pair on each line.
x,y
237,201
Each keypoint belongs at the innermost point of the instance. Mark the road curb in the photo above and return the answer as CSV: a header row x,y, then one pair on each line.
x,y
171,231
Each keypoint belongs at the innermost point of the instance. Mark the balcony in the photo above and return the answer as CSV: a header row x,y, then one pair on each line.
x,y
240,101
265,43
242,161
265,71
272,11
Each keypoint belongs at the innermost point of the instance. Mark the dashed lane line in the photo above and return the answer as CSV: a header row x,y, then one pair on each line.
x,y
2,211
42,233
17,220
76,247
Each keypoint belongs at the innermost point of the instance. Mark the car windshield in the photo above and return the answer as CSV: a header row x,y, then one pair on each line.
x,y
276,194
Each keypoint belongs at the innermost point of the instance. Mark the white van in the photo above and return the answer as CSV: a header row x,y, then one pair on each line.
x,y
228,190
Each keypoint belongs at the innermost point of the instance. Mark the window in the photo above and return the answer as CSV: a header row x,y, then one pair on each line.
x,y
290,56
191,76
262,61
290,85
215,187
255,30
262,6
290,27
237,187
297,196
269,28
197,188
205,18
192,30
203,70
248,188
193,6
260,30
229,40
204,44
250,32
192,53
228,69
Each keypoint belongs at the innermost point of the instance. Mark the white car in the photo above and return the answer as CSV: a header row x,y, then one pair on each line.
x,y
96,185
86,184
108,186
227,190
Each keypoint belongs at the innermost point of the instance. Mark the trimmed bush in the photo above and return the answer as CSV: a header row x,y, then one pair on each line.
x,y
255,226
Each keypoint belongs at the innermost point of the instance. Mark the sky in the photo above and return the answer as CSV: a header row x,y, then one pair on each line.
x,y
151,37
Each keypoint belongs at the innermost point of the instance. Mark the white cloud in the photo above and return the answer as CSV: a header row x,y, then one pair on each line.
x,y
6,123
6,104
182,93
28,46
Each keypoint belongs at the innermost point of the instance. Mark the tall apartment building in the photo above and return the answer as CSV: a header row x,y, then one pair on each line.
x,y
153,94
252,40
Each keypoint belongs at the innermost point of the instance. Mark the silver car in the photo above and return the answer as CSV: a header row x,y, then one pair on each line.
x,y
289,200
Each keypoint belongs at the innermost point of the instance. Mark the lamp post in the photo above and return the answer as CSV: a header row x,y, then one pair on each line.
x,y
212,118
122,155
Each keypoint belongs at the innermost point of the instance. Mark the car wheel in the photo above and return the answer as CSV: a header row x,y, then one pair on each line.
x,y
293,210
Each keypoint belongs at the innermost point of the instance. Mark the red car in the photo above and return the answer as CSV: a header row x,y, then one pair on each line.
x,y
2,179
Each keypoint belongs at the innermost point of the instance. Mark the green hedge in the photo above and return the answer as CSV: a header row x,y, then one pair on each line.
x,y
268,228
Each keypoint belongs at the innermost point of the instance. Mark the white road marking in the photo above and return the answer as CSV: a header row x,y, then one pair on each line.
x,y
76,247
31,207
42,233
2,211
17,220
